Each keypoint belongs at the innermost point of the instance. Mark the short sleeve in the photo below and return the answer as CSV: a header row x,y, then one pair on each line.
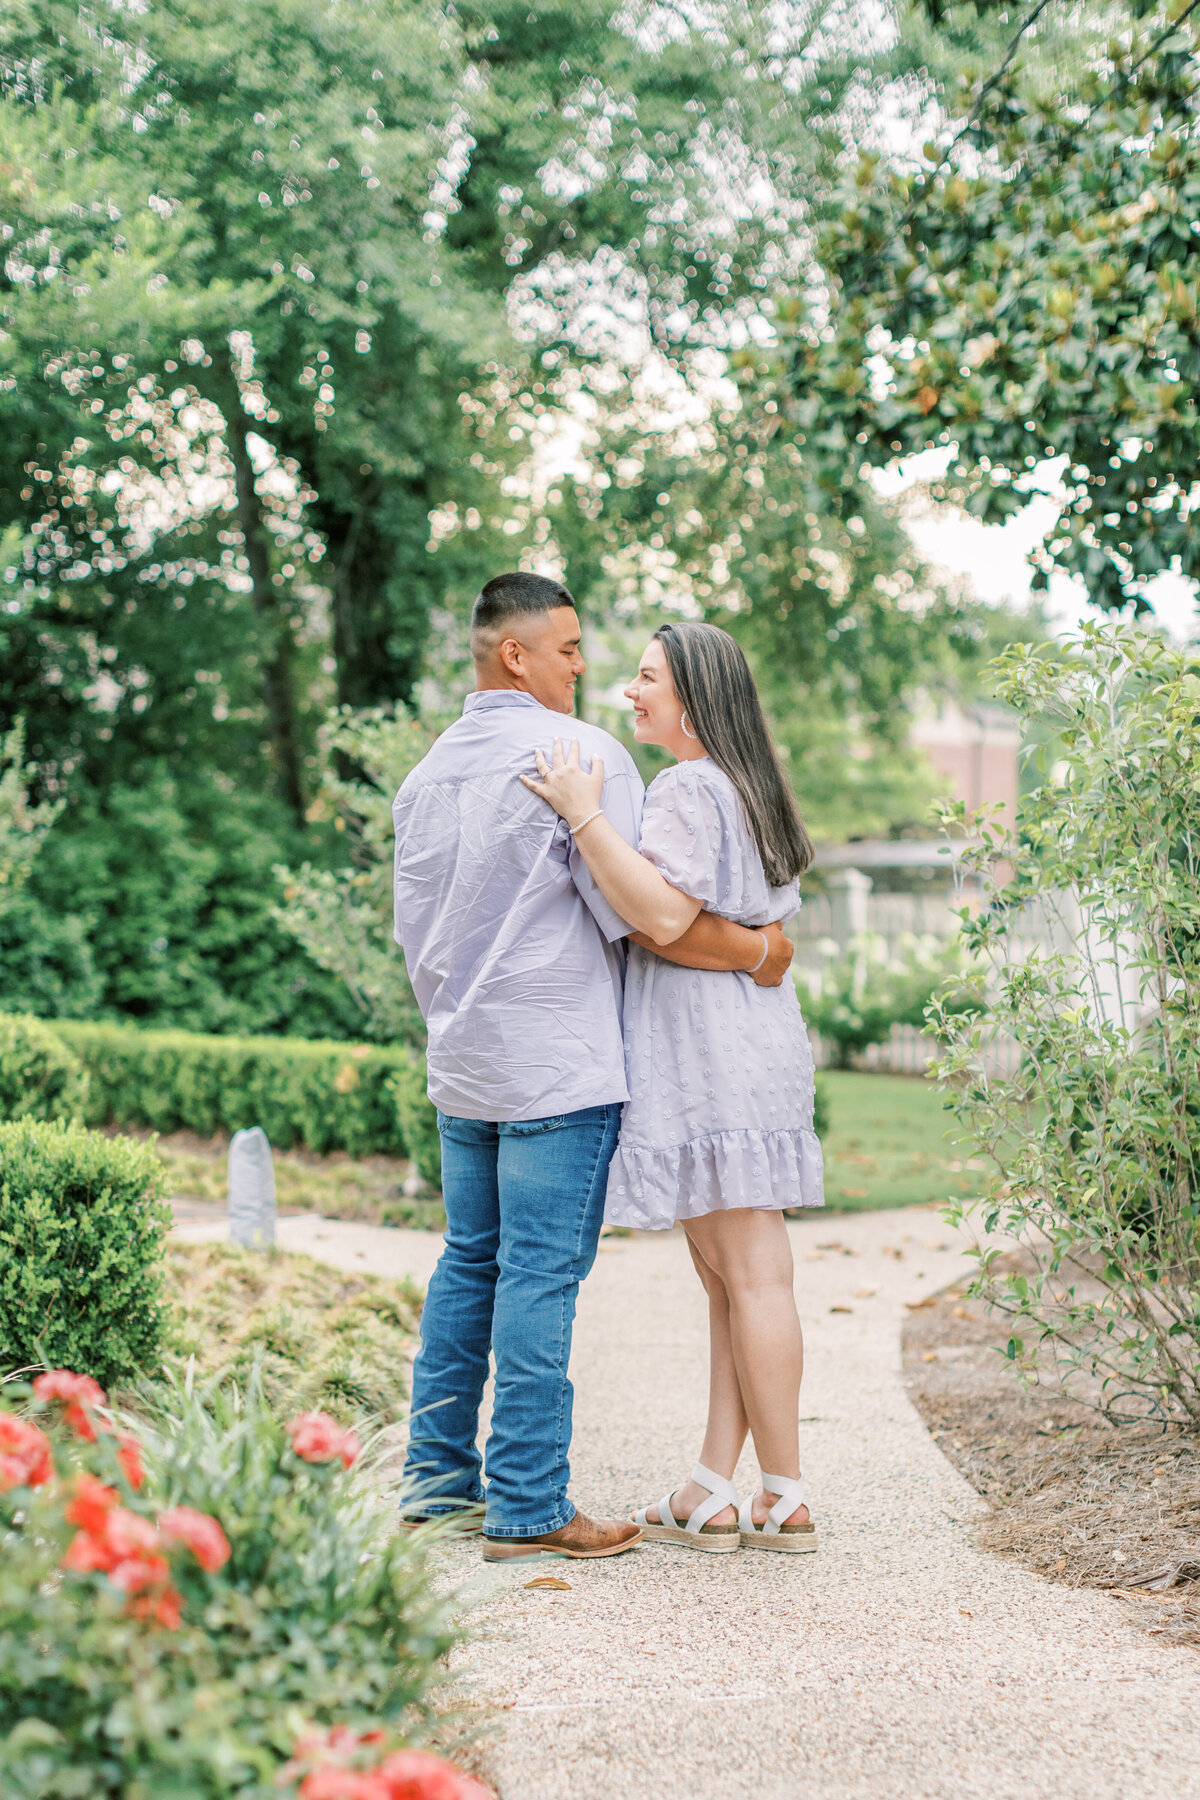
x,y
695,833
687,835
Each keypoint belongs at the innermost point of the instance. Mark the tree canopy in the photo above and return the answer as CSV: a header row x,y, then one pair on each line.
x,y
1030,295
297,301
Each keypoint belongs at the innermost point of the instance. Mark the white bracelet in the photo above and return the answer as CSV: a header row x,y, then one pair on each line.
x,y
766,952
599,813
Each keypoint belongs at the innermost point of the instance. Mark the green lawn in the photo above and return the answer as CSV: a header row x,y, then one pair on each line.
x,y
887,1144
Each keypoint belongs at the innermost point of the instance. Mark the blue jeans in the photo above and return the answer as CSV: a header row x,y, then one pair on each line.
x,y
524,1205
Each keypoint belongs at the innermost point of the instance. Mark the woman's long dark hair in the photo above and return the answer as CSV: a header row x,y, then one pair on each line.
x,y
714,684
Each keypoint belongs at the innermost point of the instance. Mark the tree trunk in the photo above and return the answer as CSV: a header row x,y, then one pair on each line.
x,y
278,646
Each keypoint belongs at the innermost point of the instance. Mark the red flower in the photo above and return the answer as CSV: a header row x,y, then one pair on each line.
x,y
78,1394
201,1533
318,1438
129,1455
92,1504
416,1775
87,1554
24,1454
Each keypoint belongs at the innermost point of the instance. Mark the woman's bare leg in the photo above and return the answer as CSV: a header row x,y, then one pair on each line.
x,y
727,1422
749,1253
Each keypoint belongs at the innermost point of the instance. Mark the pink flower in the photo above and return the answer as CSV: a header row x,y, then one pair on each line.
x,y
129,1455
128,1534
318,1438
416,1775
133,1573
332,1783
200,1532
78,1393
24,1454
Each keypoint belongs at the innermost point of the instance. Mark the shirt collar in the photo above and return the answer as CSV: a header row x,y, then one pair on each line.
x,y
485,700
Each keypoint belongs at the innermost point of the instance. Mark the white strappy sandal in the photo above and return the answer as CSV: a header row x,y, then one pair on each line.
x,y
697,1534
775,1534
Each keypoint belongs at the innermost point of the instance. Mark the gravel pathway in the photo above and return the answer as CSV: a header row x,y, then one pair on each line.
x,y
899,1663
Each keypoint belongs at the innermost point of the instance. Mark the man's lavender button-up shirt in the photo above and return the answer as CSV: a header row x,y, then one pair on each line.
x,y
512,950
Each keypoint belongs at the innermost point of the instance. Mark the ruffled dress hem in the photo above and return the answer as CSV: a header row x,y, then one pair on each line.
x,y
651,1190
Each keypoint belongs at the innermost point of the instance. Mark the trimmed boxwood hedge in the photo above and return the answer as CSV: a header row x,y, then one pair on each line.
x,y
82,1223
323,1096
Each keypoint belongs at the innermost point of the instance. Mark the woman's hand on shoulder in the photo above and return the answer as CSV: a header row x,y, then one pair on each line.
x,y
573,792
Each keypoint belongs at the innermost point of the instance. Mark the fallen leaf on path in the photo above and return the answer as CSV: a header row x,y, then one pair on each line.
x,y
896,1255
841,1309
1061,1563
842,1249
964,1612
814,1256
550,1581
935,1244
864,1293
960,1312
929,1356
916,1305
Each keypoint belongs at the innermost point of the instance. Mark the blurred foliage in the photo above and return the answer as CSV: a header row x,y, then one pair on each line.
x,y
22,824
1094,1142
322,1612
858,993
343,917
298,302
40,1076
1030,295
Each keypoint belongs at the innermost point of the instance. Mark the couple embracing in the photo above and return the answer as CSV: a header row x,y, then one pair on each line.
x,y
611,1036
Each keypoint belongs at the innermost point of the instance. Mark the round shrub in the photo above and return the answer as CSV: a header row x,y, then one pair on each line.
x,y
82,1222
40,1076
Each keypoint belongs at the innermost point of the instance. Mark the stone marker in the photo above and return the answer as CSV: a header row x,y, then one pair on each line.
x,y
251,1190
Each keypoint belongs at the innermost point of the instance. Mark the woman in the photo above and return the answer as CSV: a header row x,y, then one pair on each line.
x,y
718,1130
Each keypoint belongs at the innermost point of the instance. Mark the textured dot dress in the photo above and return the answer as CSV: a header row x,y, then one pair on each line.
x,y
720,1071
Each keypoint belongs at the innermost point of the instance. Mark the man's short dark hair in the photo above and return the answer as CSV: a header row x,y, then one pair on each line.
x,y
515,596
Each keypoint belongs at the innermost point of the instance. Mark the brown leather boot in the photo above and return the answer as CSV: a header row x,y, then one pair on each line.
x,y
581,1537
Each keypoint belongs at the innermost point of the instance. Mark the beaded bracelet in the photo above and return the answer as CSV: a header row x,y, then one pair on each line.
x,y
599,813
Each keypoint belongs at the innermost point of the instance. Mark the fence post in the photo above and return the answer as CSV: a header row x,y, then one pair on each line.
x,y
848,890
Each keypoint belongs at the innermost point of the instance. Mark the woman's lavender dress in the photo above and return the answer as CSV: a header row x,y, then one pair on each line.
x,y
720,1071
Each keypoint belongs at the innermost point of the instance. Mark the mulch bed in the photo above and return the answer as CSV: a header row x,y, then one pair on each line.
x,y
1071,1495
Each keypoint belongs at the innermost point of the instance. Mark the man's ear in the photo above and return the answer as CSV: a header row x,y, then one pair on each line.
x,y
510,652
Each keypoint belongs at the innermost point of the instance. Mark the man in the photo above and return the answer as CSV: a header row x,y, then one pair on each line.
x,y
516,961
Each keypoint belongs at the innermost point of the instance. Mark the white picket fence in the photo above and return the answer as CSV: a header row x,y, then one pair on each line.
x,y
893,918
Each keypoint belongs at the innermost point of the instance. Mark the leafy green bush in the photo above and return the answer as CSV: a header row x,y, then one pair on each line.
x,y
40,1076
82,1221
821,1116
860,992
229,1584
326,1096
1096,1139
418,1118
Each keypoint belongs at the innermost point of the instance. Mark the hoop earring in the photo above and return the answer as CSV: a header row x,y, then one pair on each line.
x,y
683,725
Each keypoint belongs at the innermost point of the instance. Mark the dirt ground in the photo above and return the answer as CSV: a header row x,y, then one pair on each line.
x,y
374,1189
1074,1497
